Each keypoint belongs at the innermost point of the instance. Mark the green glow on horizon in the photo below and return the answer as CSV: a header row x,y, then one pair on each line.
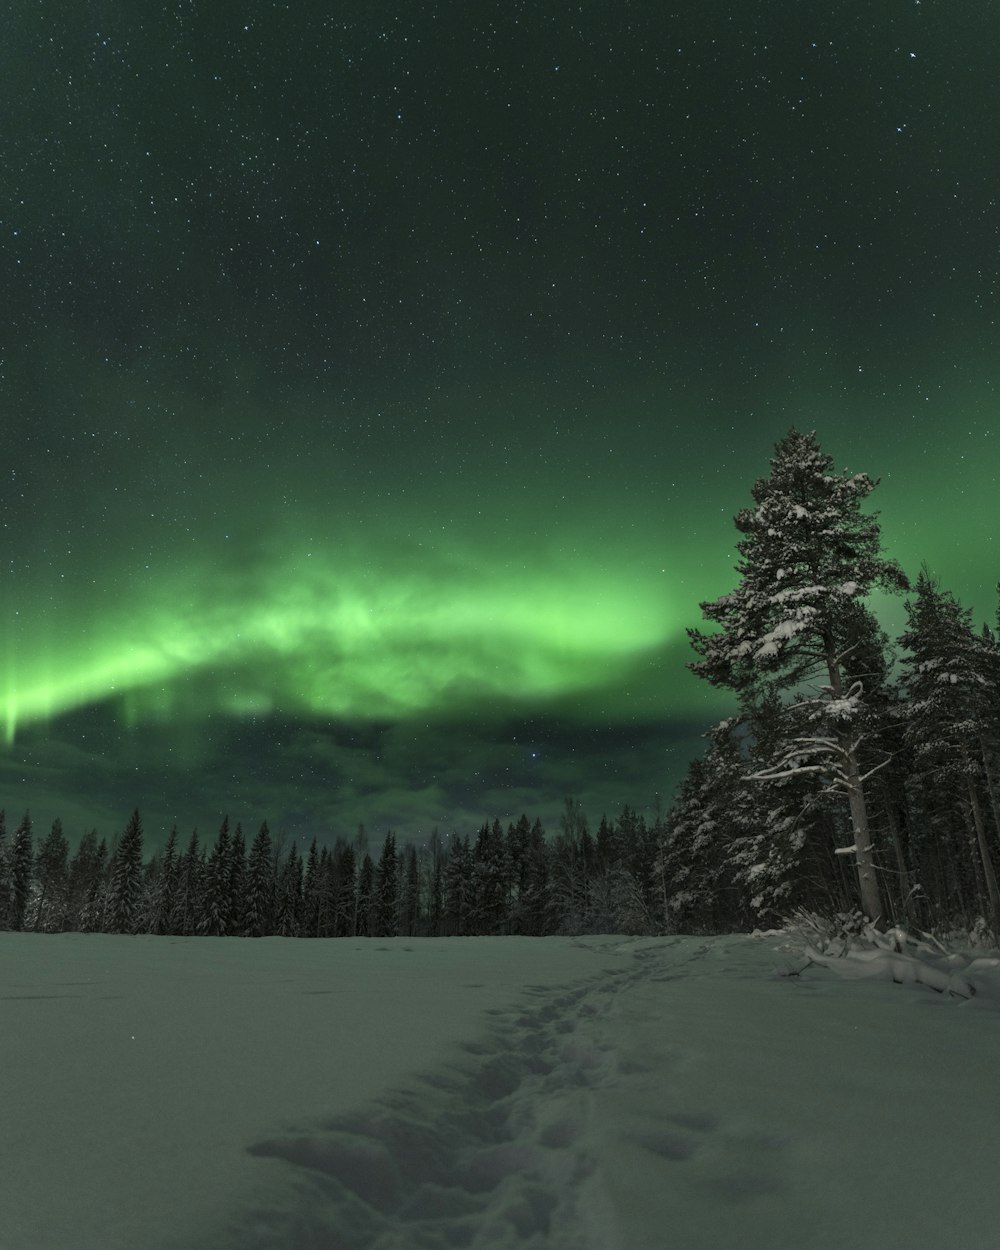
x,y
339,639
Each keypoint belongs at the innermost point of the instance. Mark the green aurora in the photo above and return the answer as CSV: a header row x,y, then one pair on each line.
x,y
378,393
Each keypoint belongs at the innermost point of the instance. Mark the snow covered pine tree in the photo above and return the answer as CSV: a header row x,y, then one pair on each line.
x,y
807,551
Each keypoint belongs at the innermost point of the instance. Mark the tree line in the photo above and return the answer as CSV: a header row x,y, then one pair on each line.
x,y
502,881
858,777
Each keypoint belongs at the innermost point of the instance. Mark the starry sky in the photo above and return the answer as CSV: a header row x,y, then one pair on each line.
x,y
380,381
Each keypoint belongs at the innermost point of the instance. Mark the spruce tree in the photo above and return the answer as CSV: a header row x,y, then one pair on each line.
x,y
311,893
457,887
385,900
51,873
79,879
21,865
345,903
94,879
435,886
537,906
703,857
237,881
258,916
326,894
216,901
491,881
409,893
807,550
165,888
289,900
950,711
686,863
518,840
365,900
125,888
187,900
781,832
6,887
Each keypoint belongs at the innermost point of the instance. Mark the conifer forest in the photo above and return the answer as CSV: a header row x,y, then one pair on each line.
x,y
858,775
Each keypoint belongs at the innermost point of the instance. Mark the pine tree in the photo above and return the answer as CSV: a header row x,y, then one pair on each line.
x,y
21,865
125,892
883,754
807,551
950,711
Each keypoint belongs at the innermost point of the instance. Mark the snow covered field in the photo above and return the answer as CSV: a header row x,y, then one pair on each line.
x,y
600,1093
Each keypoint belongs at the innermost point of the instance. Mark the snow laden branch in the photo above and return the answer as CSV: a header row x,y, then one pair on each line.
x,y
895,955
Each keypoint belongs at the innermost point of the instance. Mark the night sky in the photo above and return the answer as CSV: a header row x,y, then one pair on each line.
x,y
380,381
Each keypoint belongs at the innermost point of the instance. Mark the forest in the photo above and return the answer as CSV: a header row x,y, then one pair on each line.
x,y
858,778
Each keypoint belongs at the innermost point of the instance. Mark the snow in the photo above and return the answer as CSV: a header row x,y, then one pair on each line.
x,y
795,594
843,709
595,1093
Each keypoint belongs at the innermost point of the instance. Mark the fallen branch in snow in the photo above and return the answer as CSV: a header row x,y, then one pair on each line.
x,y
894,955
890,965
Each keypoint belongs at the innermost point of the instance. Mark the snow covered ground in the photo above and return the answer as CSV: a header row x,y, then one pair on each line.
x,y
588,1094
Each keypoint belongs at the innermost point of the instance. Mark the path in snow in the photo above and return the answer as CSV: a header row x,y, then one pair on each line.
x,y
491,1155
691,1099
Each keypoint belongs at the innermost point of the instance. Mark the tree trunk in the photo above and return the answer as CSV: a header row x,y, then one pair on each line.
x,y
905,886
871,903
989,873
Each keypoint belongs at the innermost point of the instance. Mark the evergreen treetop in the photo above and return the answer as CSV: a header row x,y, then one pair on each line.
x,y
807,549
